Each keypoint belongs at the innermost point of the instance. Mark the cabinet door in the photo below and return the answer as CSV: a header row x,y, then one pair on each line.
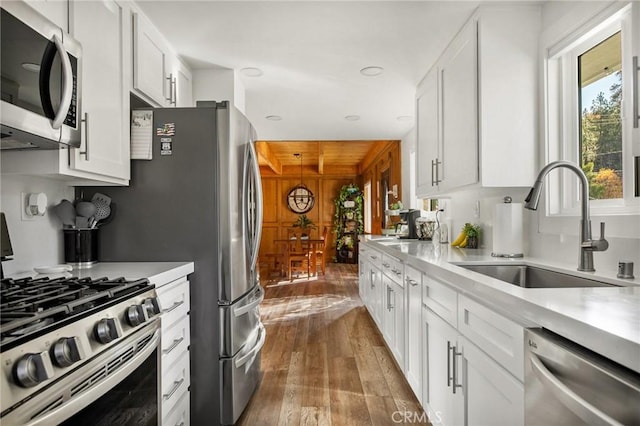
x,y
427,134
150,61
493,396
388,317
445,373
398,312
459,108
99,26
413,352
376,295
363,280
183,85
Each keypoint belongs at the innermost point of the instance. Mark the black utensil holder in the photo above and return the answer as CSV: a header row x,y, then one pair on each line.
x,y
81,247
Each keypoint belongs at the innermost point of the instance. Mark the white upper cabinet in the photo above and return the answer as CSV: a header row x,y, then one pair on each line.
x,y
151,62
159,76
477,106
183,93
104,150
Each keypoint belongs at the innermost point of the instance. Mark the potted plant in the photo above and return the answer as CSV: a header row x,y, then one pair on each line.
x,y
394,208
305,224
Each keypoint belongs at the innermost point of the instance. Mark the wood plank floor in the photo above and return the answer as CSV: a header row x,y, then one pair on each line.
x,y
324,361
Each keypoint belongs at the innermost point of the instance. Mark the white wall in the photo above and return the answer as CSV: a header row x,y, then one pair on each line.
x,y
35,242
218,84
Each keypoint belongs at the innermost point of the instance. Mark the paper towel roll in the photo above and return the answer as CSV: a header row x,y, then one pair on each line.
x,y
507,230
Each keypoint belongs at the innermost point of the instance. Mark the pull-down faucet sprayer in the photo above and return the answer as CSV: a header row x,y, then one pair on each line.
x,y
587,244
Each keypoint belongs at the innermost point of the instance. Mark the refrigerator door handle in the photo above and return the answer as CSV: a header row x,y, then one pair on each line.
x,y
254,220
251,355
241,310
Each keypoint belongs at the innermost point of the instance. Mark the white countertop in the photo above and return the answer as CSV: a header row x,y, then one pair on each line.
x,y
603,319
158,273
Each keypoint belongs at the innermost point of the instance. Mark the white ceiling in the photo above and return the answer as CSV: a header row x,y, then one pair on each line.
x,y
311,54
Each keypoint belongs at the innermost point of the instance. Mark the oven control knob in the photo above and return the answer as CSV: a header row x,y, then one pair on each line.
x,y
136,315
107,330
66,351
33,369
151,306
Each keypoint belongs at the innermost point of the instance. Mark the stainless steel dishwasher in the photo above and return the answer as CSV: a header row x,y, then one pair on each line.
x,y
567,384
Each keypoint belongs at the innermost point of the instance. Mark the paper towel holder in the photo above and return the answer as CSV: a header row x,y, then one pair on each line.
x,y
508,200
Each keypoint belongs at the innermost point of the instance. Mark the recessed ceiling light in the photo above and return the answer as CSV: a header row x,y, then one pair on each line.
x,y
404,118
352,117
251,72
371,71
31,66
273,117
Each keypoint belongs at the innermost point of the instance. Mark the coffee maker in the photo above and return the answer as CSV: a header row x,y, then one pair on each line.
x,y
409,218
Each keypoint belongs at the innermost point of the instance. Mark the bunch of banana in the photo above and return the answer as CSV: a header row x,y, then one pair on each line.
x,y
461,240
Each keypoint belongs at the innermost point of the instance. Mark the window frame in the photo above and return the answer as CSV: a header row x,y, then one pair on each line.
x,y
561,203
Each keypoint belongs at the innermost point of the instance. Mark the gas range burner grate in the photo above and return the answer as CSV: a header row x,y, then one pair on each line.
x,y
29,305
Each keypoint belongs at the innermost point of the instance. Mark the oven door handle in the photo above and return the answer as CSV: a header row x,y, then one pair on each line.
x,y
238,312
250,356
571,400
80,401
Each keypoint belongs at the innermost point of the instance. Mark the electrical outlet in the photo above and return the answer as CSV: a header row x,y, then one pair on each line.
x,y
24,200
476,210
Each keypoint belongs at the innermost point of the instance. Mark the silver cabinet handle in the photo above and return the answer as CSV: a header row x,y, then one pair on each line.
x,y
449,347
636,93
454,355
433,164
373,257
372,278
85,120
173,390
175,343
386,265
67,84
410,281
173,307
582,408
437,163
175,91
170,98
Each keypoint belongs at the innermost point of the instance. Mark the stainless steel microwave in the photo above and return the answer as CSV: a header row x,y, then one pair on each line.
x,y
41,81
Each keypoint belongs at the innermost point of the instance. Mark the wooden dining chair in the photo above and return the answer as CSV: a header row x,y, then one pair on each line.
x,y
320,251
298,255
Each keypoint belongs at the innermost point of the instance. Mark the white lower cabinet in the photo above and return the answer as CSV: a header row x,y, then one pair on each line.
x,y
393,321
413,334
493,396
445,389
174,347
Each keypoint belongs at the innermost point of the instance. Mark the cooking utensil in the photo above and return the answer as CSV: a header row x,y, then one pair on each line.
x,y
85,208
100,199
66,213
82,222
102,211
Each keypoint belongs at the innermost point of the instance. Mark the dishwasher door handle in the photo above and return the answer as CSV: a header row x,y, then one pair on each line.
x,y
571,400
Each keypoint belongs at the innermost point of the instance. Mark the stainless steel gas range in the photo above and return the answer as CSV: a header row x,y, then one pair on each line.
x,y
79,351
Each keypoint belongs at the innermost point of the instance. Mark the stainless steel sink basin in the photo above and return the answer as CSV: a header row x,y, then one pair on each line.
x,y
534,277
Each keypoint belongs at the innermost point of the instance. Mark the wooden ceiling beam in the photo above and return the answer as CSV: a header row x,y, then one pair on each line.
x,y
376,148
267,156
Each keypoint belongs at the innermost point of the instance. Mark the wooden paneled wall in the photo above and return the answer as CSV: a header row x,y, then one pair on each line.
x,y
278,218
325,185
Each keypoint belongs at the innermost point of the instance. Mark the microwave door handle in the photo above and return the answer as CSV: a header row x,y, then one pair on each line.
x,y
567,397
67,84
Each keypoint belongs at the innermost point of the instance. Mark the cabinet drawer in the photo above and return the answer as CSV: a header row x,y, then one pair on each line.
x,y
175,341
374,256
174,302
179,415
499,337
393,268
175,383
441,299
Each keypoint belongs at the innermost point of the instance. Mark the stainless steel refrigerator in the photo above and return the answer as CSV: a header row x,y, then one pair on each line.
x,y
200,199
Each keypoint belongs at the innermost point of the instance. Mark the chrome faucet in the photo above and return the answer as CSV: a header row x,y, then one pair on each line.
x,y
587,245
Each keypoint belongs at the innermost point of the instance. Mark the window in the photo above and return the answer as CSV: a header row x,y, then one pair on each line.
x,y
586,123
599,100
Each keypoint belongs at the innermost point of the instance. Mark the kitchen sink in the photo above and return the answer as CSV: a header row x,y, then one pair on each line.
x,y
534,277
